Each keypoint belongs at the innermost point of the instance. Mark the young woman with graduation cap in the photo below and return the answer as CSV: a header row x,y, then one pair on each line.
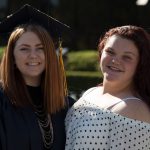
x,y
33,95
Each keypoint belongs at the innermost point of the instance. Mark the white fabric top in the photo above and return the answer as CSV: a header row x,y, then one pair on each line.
x,y
89,127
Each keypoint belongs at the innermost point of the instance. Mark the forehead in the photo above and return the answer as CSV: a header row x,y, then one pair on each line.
x,y
119,43
28,37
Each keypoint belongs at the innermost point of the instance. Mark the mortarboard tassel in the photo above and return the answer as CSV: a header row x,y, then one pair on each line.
x,y
62,67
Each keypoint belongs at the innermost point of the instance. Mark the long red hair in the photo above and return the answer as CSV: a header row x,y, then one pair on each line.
x,y
52,79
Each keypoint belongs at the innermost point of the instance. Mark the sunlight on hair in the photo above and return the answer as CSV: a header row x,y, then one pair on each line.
x,y
141,2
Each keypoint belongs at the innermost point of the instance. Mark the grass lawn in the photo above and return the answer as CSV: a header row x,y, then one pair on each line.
x,y
84,73
1,51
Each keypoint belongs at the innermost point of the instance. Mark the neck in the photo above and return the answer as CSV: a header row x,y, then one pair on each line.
x,y
118,90
33,82
35,93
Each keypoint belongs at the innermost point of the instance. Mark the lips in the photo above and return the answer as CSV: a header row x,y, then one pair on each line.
x,y
116,69
33,63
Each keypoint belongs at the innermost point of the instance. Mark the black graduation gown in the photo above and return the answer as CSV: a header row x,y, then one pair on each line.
x,y
19,129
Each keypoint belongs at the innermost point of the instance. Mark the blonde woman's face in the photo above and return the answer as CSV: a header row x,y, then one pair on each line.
x,y
30,58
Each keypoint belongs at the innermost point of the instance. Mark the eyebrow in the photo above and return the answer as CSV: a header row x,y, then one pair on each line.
x,y
26,45
130,53
127,52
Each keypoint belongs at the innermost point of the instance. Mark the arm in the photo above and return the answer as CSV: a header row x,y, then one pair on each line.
x,y
134,109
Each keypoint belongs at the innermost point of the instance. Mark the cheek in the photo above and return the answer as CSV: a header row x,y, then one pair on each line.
x,y
105,59
101,61
18,60
43,59
132,67
43,56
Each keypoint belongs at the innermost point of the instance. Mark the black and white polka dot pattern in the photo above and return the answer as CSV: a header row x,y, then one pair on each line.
x,y
90,127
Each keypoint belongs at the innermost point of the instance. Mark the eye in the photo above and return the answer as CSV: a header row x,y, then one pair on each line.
x,y
40,48
127,58
110,52
24,49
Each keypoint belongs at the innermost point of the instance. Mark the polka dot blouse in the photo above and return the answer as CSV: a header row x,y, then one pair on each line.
x,y
90,127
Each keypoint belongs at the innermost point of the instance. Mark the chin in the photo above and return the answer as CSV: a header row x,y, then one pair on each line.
x,y
112,80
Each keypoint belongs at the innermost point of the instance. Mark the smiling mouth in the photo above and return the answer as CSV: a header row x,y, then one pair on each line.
x,y
33,63
115,69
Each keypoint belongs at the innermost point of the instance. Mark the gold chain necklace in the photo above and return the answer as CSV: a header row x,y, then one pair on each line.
x,y
45,125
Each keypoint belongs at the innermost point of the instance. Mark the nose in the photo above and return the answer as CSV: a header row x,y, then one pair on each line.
x,y
33,53
115,60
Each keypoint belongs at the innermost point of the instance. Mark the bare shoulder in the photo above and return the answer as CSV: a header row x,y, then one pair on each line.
x,y
134,109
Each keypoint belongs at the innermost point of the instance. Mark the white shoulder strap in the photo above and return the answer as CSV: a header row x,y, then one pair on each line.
x,y
123,100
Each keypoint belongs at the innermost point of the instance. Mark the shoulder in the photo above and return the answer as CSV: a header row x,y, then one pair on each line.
x,y
91,91
90,94
2,95
3,101
134,109
70,101
142,111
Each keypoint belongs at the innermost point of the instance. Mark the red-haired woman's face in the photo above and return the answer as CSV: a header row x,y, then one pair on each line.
x,y
30,58
119,60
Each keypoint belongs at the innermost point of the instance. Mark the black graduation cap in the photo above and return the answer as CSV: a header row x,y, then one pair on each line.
x,y
29,14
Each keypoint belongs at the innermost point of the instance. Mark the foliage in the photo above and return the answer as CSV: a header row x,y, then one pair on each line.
x,y
82,61
79,81
1,51
82,71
